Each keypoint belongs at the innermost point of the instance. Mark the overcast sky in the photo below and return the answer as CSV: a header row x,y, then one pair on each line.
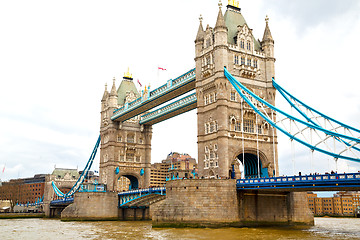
x,y
56,56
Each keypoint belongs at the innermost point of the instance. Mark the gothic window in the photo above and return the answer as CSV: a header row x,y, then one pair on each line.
x,y
129,157
141,140
237,126
232,96
259,129
212,155
138,158
207,60
216,164
248,125
130,139
248,45
119,138
236,59
255,63
206,149
216,126
215,147
249,62
121,158
206,157
207,43
242,45
205,100
212,127
215,96
242,60
212,99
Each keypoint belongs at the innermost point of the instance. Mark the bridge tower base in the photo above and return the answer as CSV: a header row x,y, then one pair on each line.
x,y
217,203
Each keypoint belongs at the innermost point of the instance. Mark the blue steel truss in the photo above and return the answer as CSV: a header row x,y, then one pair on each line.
x,y
82,176
64,201
129,196
324,182
265,110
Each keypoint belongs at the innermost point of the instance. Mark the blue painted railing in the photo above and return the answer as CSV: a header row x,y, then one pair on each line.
x,y
309,181
62,201
128,196
152,95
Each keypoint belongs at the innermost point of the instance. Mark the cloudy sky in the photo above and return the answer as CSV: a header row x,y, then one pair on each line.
x,y
56,56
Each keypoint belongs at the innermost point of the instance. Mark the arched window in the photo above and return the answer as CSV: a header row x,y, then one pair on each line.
x,y
130,138
242,60
242,45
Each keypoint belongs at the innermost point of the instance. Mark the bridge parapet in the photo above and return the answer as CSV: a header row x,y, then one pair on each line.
x,y
326,182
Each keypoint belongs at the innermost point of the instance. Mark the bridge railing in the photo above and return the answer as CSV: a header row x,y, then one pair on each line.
x,y
62,201
170,85
143,191
293,179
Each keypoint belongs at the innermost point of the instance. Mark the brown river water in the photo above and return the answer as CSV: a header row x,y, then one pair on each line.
x,y
325,228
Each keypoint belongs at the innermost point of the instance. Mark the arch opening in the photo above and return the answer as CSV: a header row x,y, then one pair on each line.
x,y
247,166
127,182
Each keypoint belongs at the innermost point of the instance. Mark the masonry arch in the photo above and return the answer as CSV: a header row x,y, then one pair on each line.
x,y
247,164
127,181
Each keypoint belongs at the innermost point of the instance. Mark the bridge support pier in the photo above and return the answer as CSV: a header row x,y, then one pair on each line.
x,y
92,206
134,214
217,203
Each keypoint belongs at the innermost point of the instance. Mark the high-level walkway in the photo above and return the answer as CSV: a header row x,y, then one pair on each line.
x,y
172,89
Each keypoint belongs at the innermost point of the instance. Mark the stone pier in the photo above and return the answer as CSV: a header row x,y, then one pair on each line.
x,y
217,203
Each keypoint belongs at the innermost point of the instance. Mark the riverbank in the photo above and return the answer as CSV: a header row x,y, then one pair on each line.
x,y
21,215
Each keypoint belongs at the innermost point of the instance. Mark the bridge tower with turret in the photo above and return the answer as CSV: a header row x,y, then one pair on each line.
x,y
125,151
232,140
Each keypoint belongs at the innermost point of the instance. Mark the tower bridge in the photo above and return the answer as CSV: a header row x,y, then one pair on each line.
x,y
233,90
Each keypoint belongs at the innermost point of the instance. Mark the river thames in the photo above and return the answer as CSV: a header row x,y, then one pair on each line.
x,y
325,228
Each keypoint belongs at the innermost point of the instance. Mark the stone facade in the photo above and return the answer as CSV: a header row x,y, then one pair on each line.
x,y
92,206
125,149
227,128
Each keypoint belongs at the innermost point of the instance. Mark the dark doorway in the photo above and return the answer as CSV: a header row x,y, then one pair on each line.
x,y
251,167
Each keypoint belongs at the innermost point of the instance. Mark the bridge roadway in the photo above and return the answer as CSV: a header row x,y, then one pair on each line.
x,y
328,182
172,89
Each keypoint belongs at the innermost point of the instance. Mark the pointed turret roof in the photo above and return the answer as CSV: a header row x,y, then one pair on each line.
x,y
220,21
113,88
126,86
267,34
106,93
200,33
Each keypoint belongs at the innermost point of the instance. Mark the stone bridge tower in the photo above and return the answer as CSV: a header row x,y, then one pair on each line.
x,y
125,151
232,140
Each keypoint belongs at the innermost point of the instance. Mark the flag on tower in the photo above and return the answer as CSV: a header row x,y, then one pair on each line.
x,y
160,68
139,83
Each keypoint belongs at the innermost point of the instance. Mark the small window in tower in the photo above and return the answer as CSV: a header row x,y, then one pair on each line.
x,y
242,45
212,127
236,59
232,96
119,138
130,139
249,62
215,147
242,60
238,127
248,125
206,149
259,129
212,99
141,140
207,42
255,63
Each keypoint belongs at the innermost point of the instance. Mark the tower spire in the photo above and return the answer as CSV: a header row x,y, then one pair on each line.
x,y
113,88
267,34
220,21
200,33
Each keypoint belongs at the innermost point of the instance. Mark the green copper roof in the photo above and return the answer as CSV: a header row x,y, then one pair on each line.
x,y
126,85
232,20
